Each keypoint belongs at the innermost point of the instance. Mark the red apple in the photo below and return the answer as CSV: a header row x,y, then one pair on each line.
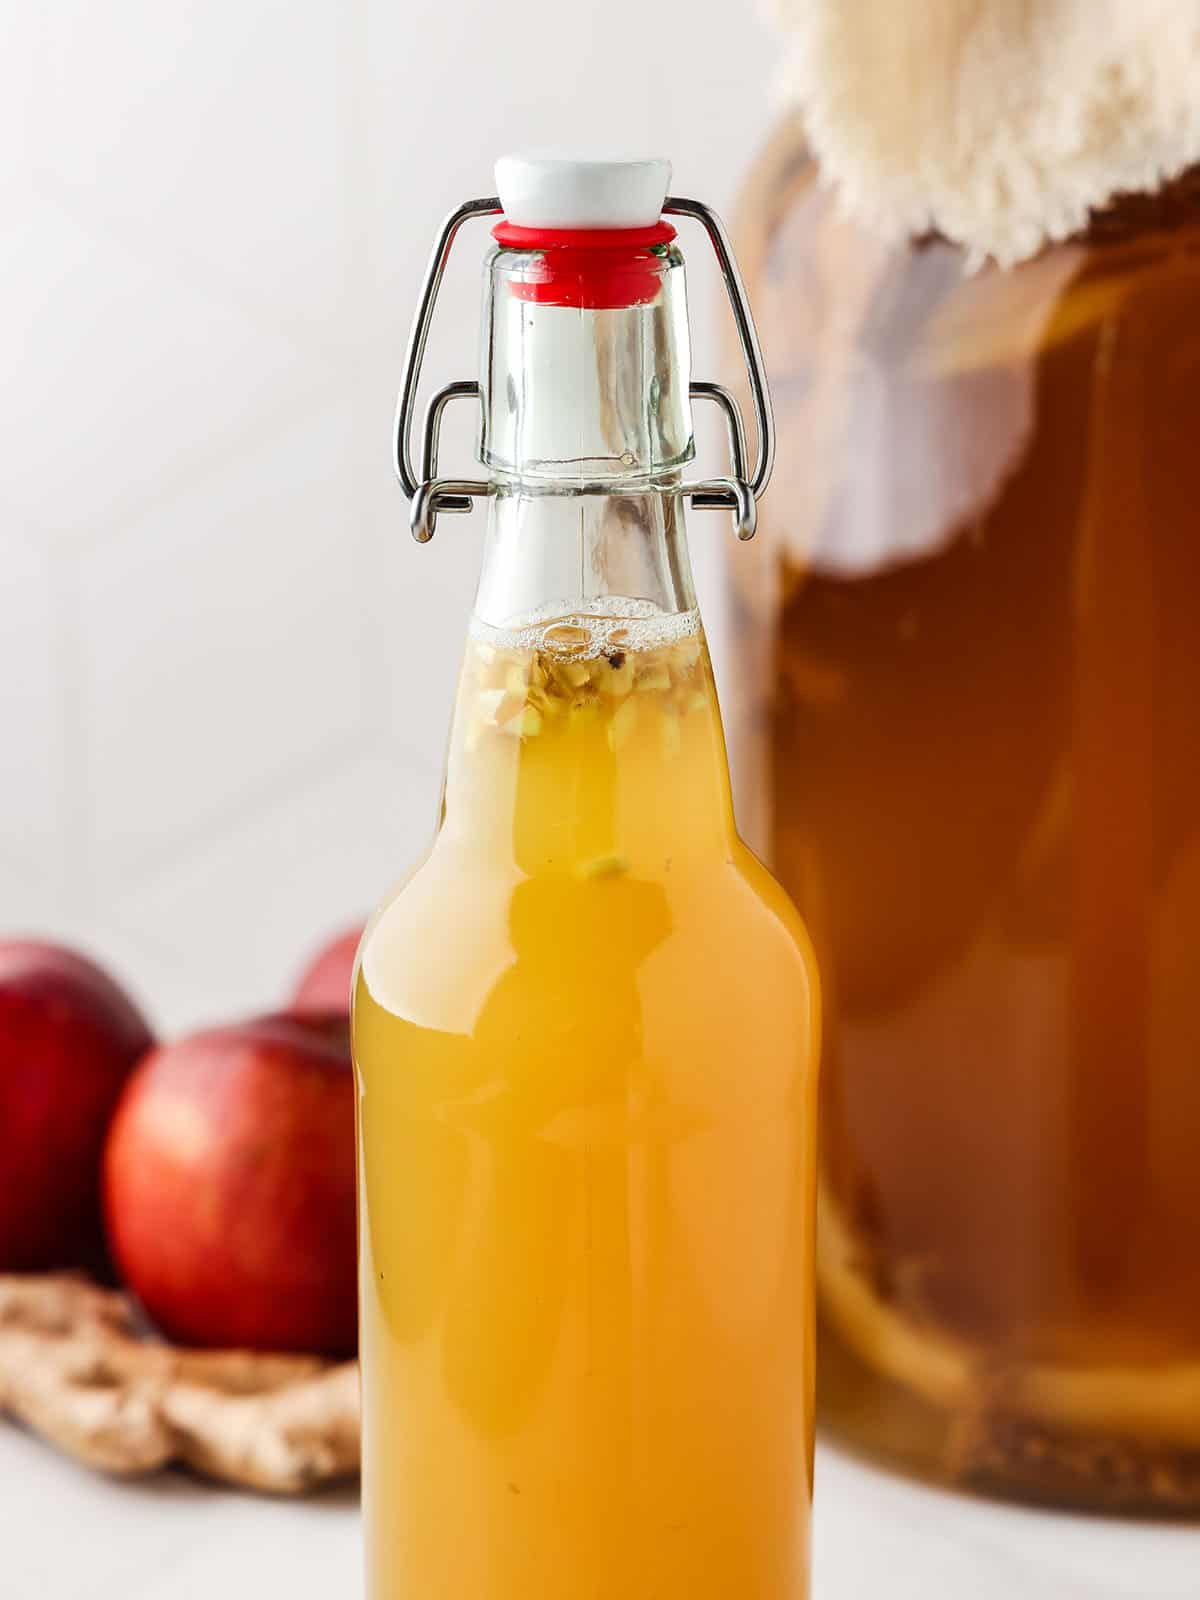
x,y
69,1037
325,983
229,1186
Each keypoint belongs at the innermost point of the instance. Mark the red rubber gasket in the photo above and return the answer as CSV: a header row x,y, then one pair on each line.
x,y
509,233
596,268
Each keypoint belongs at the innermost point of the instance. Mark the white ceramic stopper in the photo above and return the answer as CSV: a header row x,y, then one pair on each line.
x,y
569,192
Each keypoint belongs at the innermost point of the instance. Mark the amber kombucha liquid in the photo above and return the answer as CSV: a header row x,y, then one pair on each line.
x,y
585,1032
981,721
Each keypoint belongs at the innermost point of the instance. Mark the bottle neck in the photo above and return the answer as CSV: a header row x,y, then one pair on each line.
x,y
586,736
554,553
586,732
582,386
586,423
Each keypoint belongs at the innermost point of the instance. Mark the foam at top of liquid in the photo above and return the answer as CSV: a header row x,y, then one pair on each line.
x,y
591,628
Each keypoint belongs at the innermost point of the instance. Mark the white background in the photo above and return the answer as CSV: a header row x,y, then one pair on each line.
x,y
225,670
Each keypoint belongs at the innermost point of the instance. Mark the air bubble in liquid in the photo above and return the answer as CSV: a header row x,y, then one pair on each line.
x,y
591,629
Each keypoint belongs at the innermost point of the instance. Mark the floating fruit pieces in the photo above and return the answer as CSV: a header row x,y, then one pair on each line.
x,y
523,692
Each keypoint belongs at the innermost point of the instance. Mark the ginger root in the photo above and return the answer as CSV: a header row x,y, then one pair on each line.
x,y
75,1370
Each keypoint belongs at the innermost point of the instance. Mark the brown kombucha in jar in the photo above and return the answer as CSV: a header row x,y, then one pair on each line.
x,y
968,739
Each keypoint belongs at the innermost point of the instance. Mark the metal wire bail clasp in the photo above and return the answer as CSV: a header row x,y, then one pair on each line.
x,y
430,495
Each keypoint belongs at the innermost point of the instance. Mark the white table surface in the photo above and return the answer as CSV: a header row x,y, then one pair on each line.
x,y
67,1535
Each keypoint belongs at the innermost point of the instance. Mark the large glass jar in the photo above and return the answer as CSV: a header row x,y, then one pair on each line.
x,y
968,730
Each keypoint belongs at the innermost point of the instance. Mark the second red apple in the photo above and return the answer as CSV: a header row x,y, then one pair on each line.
x,y
230,1186
325,983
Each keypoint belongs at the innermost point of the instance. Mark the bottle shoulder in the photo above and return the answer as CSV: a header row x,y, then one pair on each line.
x,y
712,937
446,893
775,909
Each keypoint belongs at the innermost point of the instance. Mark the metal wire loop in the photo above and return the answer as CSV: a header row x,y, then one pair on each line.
x,y
431,495
743,319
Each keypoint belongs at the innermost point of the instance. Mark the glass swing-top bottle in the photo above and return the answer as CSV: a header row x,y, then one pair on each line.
x,y
585,1027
